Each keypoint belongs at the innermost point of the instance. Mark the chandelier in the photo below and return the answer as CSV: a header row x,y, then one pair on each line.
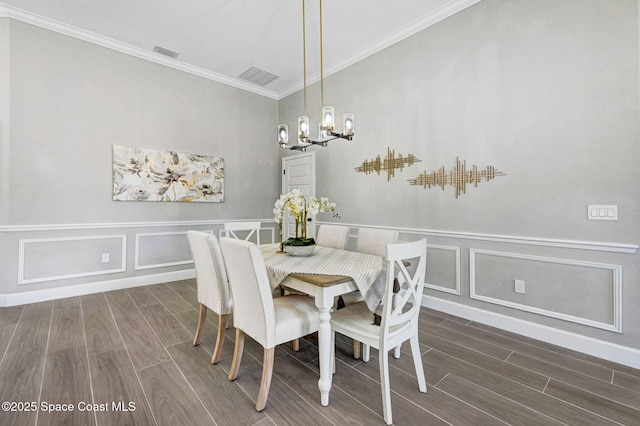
x,y
326,128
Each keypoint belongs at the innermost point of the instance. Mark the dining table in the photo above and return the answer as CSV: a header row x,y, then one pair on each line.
x,y
324,275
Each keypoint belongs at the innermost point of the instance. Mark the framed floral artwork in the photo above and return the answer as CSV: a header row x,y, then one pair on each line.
x,y
141,174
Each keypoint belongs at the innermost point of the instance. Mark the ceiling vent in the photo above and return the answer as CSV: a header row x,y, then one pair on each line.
x,y
166,52
258,76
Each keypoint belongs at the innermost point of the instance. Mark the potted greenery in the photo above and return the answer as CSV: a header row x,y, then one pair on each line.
x,y
297,206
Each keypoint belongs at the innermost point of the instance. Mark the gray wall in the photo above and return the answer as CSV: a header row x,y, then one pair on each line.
x,y
70,101
547,92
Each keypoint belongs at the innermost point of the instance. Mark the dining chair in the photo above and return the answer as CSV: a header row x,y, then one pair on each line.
x,y
251,229
269,321
233,229
399,321
371,241
374,241
212,285
334,236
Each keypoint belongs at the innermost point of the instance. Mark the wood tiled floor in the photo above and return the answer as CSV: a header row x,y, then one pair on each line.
x,y
131,349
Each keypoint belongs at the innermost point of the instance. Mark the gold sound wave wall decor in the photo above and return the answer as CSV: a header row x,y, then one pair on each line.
x,y
459,177
389,164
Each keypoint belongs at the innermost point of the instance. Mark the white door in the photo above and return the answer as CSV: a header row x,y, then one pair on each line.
x,y
298,172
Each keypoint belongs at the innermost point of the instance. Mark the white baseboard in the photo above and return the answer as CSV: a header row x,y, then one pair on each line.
x,y
34,296
588,345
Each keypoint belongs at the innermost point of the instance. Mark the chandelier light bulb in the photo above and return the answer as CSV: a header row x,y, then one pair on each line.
x,y
283,135
303,129
328,121
321,132
348,121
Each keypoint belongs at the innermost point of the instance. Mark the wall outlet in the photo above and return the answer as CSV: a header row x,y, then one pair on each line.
x,y
105,257
519,287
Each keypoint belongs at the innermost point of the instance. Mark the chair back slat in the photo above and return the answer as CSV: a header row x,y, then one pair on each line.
x,y
235,230
402,313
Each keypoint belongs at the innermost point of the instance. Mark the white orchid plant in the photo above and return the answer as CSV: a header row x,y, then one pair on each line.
x,y
297,205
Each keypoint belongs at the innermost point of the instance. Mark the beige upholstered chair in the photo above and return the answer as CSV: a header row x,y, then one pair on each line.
x,y
374,241
233,229
269,321
213,285
334,236
371,241
399,320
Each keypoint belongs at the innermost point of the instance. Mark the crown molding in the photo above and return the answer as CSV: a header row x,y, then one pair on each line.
x,y
440,14
109,43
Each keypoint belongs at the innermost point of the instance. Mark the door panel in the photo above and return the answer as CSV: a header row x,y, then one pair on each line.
x,y
298,172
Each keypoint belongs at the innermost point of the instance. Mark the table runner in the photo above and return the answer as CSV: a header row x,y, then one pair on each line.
x,y
364,269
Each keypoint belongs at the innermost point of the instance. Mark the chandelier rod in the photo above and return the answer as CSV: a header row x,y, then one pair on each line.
x,y
321,67
304,57
326,126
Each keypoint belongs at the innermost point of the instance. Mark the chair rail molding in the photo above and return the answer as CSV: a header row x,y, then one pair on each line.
x,y
511,239
120,225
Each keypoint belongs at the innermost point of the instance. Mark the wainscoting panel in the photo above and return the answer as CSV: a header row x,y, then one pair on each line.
x,y
443,268
586,293
49,259
161,249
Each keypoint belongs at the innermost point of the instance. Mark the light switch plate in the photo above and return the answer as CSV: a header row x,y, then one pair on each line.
x,y
602,212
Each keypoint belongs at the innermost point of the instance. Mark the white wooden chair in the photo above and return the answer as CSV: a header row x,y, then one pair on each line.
x,y
269,321
234,229
212,285
334,236
399,321
372,241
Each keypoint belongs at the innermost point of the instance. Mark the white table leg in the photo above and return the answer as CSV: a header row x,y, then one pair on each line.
x,y
324,304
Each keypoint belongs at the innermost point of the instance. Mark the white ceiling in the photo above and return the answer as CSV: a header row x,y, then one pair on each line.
x,y
220,39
